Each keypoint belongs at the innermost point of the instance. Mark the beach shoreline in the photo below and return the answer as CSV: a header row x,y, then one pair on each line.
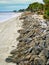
x,y
8,35
8,16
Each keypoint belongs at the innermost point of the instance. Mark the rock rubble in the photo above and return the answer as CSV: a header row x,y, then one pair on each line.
x,y
33,46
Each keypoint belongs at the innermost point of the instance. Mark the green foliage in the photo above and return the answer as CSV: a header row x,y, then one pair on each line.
x,y
35,6
14,11
46,10
46,14
46,1
21,10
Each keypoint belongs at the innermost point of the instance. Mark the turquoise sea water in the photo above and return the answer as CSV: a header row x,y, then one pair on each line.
x,y
11,7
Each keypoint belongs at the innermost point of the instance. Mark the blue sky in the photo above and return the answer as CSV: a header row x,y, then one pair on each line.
x,y
9,5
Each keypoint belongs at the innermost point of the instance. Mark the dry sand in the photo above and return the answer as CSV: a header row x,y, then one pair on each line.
x,y
8,35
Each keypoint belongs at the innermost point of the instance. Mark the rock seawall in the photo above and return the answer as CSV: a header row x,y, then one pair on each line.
x,y
33,46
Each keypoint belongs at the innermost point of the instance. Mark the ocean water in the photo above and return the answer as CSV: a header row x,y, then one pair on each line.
x,y
7,15
11,7
5,8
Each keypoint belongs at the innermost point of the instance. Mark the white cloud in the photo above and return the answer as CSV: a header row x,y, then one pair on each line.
x,y
18,1
13,1
3,1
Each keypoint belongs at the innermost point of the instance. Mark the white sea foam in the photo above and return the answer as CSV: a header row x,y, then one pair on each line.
x,y
7,16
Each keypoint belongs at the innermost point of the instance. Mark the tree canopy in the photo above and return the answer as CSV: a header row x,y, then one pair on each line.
x,y
21,10
46,1
46,10
35,6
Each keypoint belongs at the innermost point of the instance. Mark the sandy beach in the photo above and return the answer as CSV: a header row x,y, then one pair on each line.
x,y
8,35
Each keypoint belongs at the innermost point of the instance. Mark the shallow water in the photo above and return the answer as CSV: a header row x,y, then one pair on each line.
x,y
5,16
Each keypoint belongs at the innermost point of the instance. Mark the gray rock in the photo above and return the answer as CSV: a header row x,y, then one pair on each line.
x,y
23,17
42,56
37,49
47,62
13,51
38,61
8,60
46,53
30,49
47,39
28,40
43,44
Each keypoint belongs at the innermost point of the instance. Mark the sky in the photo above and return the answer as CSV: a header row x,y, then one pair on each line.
x,y
10,5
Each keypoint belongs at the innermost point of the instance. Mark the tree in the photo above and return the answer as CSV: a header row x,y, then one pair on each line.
x,y
46,1
14,11
35,6
46,9
21,10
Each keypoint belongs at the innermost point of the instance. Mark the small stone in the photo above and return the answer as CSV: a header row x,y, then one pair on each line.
x,y
37,49
24,63
30,50
23,17
13,46
28,56
13,51
47,38
8,60
44,38
43,44
38,61
47,62
33,57
42,56
28,40
21,63
46,52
